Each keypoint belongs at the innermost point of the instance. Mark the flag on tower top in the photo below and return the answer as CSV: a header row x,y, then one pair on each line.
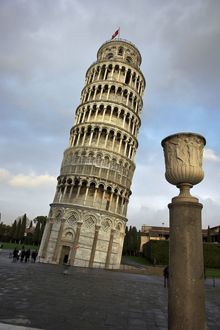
x,y
115,33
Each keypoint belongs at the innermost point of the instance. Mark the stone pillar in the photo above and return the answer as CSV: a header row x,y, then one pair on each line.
x,y
92,256
70,193
108,257
186,308
186,302
45,239
58,241
86,194
75,244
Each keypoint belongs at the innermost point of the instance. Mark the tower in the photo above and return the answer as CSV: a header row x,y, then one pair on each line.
x,y
87,219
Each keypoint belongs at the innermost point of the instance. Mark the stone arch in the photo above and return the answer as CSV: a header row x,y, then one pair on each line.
x,y
99,194
129,60
106,162
119,226
120,51
68,234
89,221
58,214
109,56
106,224
98,159
91,193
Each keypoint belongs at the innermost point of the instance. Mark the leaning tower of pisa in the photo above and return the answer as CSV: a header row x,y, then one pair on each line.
x,y
87,219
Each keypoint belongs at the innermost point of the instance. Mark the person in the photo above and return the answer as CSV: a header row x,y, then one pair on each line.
x,y
22,254
15,255
166,276
27,255
19,254
34,256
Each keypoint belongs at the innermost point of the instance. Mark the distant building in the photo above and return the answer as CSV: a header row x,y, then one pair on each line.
x,y
211,234
163,233
153,233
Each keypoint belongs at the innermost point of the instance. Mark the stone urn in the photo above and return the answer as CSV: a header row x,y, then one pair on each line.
x,y
183,154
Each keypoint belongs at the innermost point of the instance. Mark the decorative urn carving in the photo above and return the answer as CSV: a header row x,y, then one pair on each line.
x,y
183,154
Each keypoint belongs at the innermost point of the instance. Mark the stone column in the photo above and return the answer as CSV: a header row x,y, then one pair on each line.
x,y
186,302
186,309
70,193
86,194
92,256
45,239
58,241
98,139
94,197
90,110
91,136
75,244
108,257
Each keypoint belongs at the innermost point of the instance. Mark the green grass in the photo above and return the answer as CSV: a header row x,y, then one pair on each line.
x,y
11,246
210,272
140,260
213,272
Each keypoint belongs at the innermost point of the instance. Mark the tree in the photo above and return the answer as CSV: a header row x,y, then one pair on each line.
x,y
22,227
218,236
209,238
4,232
40,225
125,246
131,241
13,230
17,231
36,235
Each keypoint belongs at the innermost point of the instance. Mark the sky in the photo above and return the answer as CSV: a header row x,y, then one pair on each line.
x,y
46,48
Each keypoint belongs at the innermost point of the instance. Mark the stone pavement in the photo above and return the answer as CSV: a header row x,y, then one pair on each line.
x,y
40,296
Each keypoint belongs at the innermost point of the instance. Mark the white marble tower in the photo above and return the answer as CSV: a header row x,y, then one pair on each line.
x,y
87,219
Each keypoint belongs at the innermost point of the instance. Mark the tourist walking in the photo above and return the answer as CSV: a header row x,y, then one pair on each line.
x,y
22,255
166,276
27,255
15,255
34,256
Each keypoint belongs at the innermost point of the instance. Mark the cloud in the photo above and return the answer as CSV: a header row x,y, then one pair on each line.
x,y
4,174
209,155
26,181
33,181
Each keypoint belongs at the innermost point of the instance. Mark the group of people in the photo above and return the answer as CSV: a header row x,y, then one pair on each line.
x,y
24,255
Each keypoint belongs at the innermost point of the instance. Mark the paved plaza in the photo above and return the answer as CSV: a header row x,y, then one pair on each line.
x,y
40,296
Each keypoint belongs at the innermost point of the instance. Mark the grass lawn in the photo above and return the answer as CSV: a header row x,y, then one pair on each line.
x,y
139,260
210,272
11,246
213,272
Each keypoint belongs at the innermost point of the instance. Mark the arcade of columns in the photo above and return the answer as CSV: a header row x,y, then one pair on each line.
x,y
87,219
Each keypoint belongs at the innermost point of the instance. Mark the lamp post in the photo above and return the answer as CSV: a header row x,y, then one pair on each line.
x,y
183,159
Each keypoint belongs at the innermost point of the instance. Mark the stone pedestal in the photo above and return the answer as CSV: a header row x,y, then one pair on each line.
x,y
186,304
186,307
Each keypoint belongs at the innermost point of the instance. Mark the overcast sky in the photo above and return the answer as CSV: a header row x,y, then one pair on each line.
x,y
46,48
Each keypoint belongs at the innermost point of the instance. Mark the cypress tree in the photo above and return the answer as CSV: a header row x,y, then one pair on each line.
x,y
17,231
37,233
125,245
23,227
13,230
209,239
1,230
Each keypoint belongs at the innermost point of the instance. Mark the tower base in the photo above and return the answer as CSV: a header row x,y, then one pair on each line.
x,y
82,237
